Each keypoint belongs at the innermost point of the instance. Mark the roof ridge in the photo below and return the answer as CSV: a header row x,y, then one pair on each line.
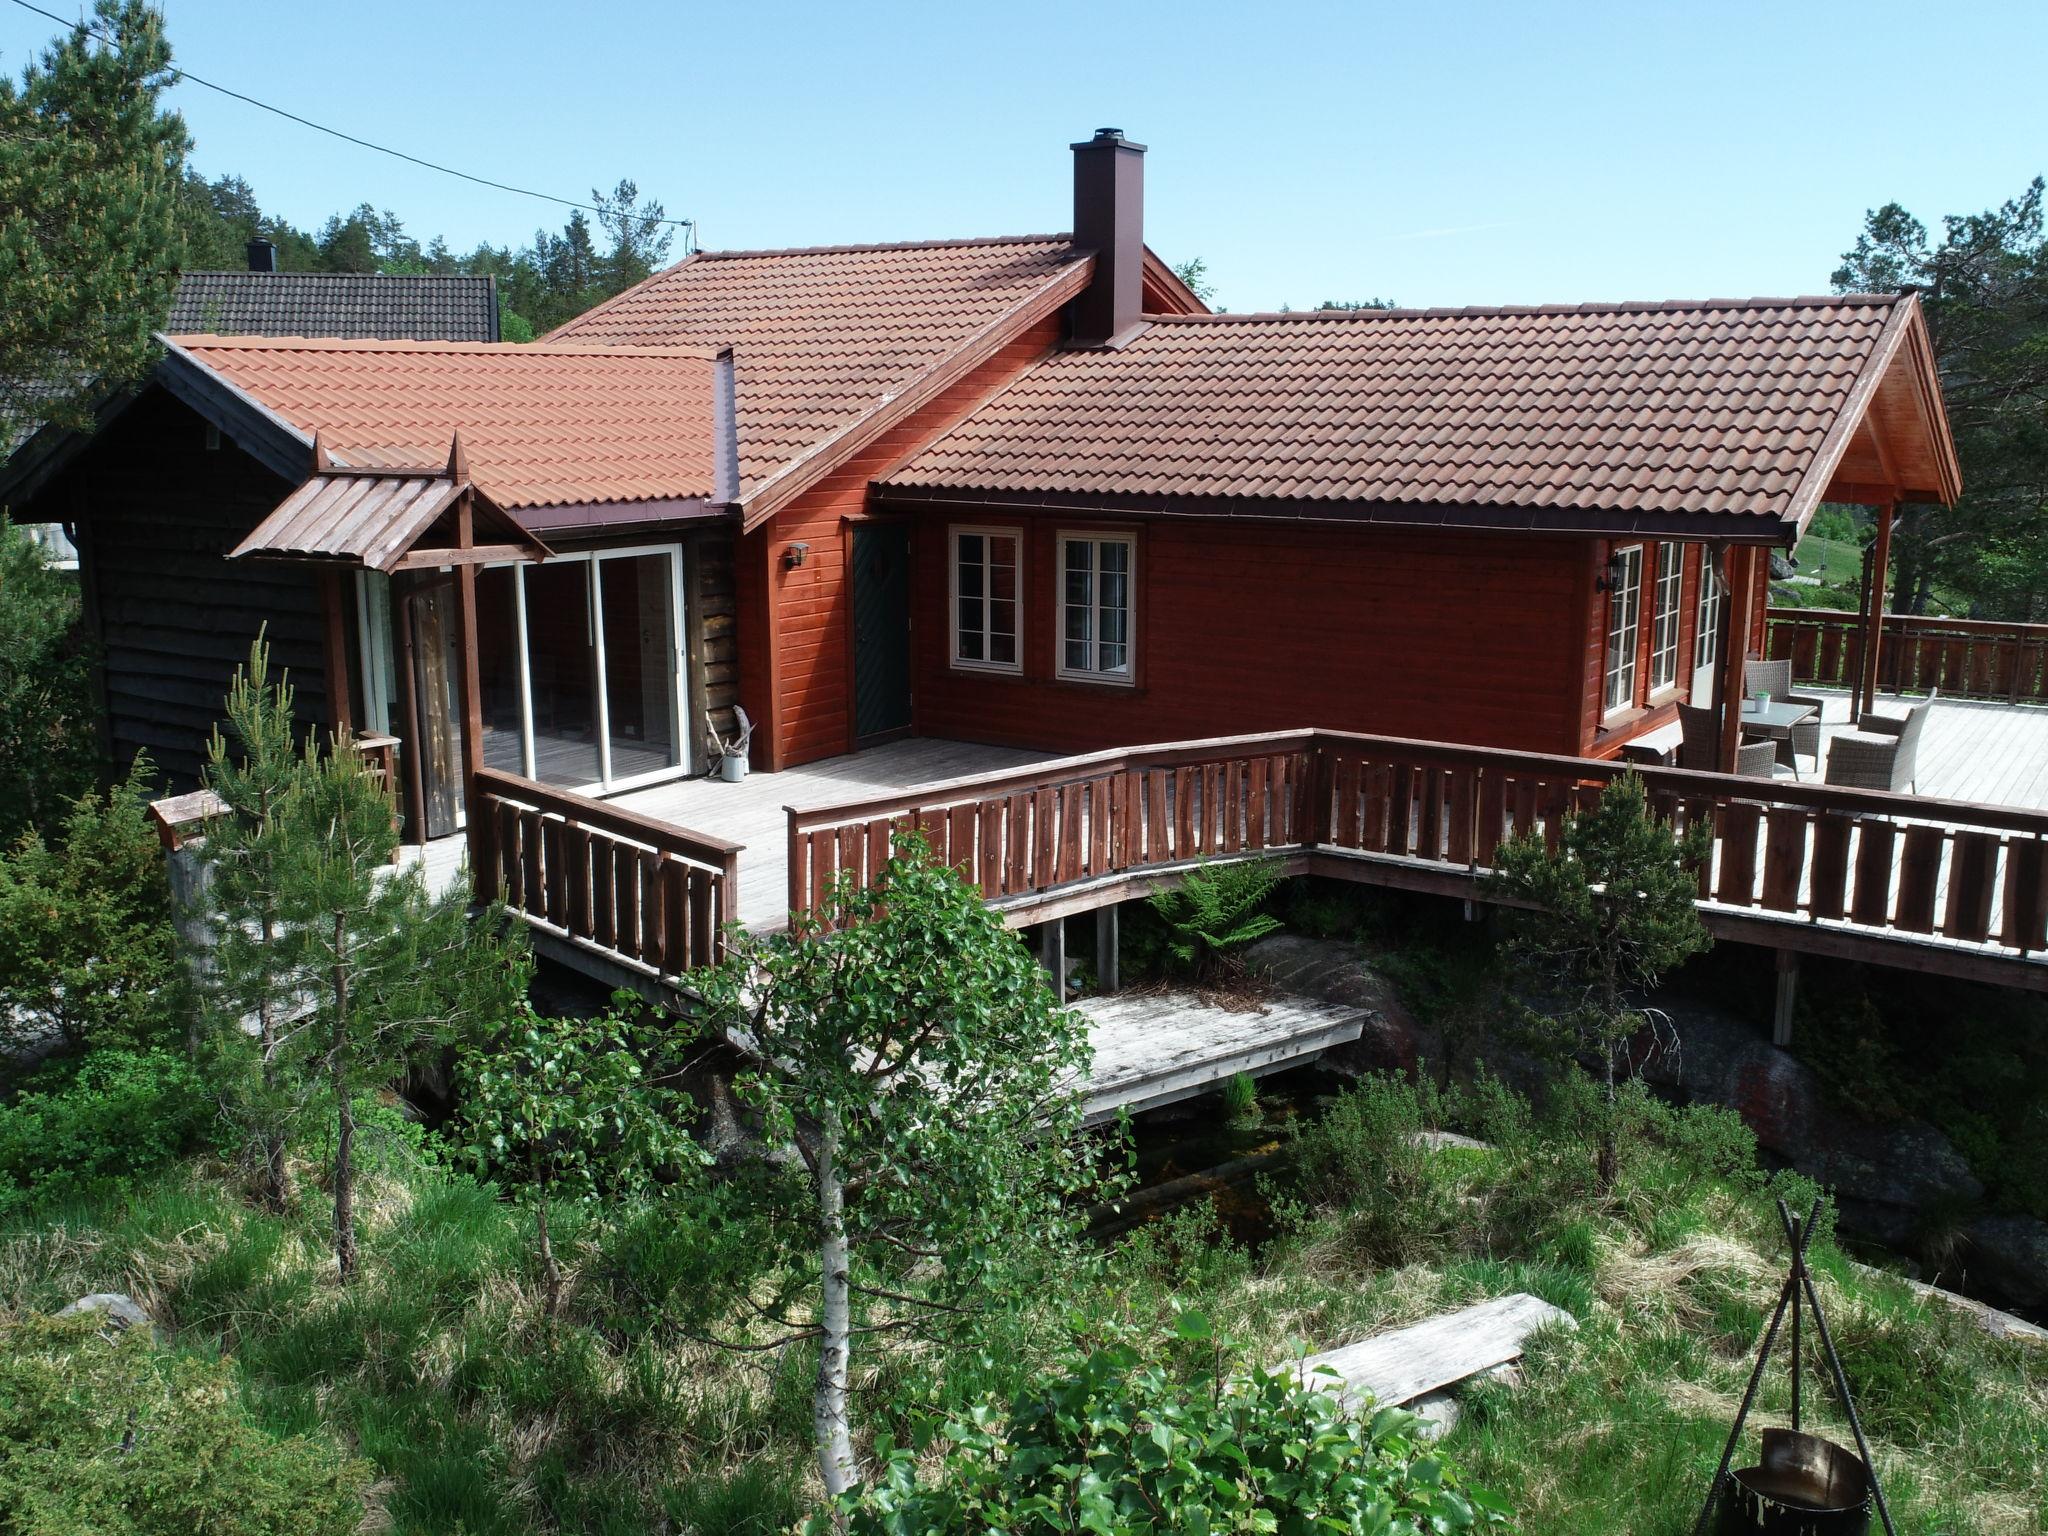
x,y
1595,307
249,342
1063,237
436,277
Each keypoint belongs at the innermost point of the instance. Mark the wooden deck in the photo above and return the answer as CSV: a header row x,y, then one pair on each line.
x,y
1987,754
753,812
1155,1048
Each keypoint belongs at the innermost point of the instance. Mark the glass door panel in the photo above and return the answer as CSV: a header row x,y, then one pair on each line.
x,y
561,666
498,669
638,601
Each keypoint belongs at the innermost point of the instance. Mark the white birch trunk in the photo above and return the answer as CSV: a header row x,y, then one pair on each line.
x,y
829,1421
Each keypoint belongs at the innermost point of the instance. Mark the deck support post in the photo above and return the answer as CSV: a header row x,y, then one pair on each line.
x,y
334,633
1741,569
1873,620
483,870
1052,954
1106,941
1788,990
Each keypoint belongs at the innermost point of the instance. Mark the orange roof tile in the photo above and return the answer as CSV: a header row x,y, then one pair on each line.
x,y
542,425
1722,407
821,336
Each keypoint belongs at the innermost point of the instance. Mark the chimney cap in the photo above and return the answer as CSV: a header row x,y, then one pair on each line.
x,y
1109,137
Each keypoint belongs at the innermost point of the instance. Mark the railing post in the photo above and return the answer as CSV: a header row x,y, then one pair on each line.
x,y
1320,769
728,896
798,892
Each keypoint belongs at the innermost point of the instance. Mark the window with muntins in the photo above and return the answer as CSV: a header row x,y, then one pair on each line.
x,y
1665,620
985,607
1707,627
1095,607
1624,616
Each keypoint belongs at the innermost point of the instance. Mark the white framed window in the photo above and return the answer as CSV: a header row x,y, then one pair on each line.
x,y
1096,606
987,588
1706,633
1665,617
1624,619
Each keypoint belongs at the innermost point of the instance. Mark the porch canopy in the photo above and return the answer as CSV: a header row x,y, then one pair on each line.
x,y
391,520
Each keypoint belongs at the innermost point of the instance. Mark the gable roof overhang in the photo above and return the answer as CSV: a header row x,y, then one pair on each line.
x,y
1892,442
763,501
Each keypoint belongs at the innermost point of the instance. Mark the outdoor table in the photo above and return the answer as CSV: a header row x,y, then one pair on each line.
x,y
1775,720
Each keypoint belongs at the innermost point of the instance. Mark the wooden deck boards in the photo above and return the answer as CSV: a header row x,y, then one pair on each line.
x,y
1154,1048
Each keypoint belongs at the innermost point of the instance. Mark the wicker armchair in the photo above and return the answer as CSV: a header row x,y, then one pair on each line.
x,y
1700,745
1775,678
1880,752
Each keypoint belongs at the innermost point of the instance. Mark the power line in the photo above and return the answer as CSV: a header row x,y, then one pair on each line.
x,y
689,226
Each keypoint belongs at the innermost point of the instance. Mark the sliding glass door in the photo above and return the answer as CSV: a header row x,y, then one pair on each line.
x,y
594,659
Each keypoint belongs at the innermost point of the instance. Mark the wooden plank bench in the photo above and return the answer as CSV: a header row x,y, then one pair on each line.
x,y
1410,1363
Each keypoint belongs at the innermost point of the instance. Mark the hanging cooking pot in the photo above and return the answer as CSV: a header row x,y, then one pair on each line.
x,y
1805,1486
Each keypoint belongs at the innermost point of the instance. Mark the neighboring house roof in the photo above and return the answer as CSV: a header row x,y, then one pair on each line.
x,y
1596,417
561,434
833,340
356,305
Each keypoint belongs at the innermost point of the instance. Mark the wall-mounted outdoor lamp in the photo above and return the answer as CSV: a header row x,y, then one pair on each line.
x,y
1612,579
795,555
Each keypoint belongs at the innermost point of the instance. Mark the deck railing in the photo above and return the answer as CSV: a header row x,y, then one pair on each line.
x,y
647,891
1897,866
1964,658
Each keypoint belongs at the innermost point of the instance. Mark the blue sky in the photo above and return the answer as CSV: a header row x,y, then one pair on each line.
x,y
1432,154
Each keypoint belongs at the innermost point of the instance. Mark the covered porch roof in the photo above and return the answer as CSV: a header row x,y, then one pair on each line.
x,y
1726,419
391,520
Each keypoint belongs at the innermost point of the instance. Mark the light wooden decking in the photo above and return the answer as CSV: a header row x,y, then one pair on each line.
x,y
752,812
1154,1048
1990,754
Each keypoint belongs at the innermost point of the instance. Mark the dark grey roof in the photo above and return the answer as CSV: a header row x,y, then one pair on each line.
x,y
359,306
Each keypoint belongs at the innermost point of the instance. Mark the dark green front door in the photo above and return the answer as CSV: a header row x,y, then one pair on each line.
x,y
881,630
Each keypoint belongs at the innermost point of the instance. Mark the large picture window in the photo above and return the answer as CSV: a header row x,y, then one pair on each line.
x,y
1095,606
985,599
1664,621
1624,616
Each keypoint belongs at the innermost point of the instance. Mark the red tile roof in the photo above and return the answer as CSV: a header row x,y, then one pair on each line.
x,y
825,335
543,425
1528,416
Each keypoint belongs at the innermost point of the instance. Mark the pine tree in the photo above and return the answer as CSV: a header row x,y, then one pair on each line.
x,y
1604,917
348,966
92,181
248,974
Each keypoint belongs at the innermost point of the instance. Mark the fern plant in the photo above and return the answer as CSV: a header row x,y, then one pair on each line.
x,y
1213,914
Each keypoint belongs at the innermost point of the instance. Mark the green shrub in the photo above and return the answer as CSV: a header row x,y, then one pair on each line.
x,y
87,951
1366,1156
89,1128
48,746
1119,1442
1213,914
1240,1093
111,1436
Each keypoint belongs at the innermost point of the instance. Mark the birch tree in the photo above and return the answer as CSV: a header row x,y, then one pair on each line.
x,y
910,1049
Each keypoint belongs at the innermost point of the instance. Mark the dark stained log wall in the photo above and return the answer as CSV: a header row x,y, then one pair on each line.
x,y
176,617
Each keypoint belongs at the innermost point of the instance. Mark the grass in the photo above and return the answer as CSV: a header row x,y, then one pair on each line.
x,y
483,1419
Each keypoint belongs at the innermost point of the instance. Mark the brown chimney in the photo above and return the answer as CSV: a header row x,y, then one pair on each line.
x,y
1109,219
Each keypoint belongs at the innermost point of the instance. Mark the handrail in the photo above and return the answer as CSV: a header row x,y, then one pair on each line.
x,y
647,891
1964,658
1909,865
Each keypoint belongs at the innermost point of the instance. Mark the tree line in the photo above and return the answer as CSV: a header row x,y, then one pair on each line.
x,y
554,277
